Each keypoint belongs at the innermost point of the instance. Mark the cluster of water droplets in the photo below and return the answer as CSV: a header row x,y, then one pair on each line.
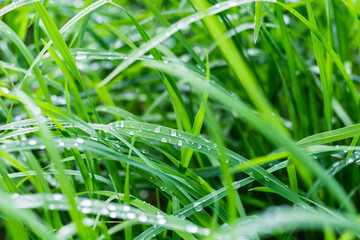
x,y
343,154
87,206
165,135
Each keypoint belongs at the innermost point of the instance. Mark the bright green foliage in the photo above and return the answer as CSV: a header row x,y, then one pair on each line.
x,y
189,119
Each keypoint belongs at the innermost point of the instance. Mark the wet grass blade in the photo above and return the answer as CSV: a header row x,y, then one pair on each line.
x,y
179,119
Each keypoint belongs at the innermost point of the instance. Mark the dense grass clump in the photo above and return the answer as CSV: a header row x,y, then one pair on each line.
x,y
187,119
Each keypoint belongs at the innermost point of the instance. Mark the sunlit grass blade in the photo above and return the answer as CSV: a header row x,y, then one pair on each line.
x,y
244,111
258,13
179,119
63,49
66,27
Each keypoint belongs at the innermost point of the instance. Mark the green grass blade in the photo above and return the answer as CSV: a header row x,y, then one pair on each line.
x,y
258,13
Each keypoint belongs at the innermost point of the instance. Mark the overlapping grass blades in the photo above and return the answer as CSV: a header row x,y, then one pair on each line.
x,y
179,119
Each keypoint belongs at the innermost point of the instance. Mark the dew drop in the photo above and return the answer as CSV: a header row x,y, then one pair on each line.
x,y
88,221
85,203
191,228
157,129
131,215
79,140
15,195
126,208
199,146
198,206
180,143
164,140
32,142
86,210
52,206
162,221
104,211
113,215
111,207
80,57
173,132
142,218
159,215
58,196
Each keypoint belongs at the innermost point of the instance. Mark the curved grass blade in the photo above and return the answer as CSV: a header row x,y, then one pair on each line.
x,y
60,44
55,157
182,118
214,10
330,136
265,223
66,27
169,32
15,5
265,127
207,200
112,210
8,208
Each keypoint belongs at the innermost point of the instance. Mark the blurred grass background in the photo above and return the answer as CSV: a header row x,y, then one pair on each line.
x,y
188,119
